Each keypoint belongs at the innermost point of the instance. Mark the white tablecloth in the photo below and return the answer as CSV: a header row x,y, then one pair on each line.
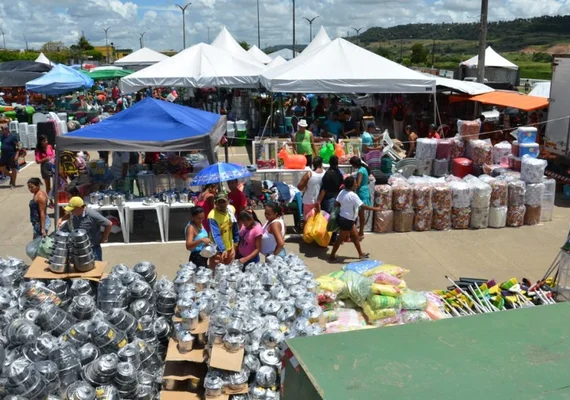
x,y
166,214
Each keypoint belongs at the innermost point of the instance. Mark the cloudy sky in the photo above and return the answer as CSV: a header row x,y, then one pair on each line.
x,y
53,20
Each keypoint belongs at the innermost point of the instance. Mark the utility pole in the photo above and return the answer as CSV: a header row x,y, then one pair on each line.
x,y
141,39
106,43
183,9
401,51
258,28
482,42
3,38
293,29
310,21
26,40
208,35
433,54
358,35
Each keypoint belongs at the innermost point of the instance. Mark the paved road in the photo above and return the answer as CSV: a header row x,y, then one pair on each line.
x,y
487,253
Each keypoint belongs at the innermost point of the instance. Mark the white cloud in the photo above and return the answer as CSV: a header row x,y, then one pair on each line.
x,y
65,20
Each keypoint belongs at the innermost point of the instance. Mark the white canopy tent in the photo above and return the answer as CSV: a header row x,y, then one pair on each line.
x,y
225,41
287,54
319,41
144,56
541,89
492,60
343,67
467,87
277,62
43,59
201,65
259,55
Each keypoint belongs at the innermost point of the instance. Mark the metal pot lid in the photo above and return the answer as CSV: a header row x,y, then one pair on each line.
x,y
266,376
166,296
297,290
185,303
234,339
270,357
48,369
79,234
252,348
190,266
182,278
271,307
107,364
267,278
314,330
303,303
144,268
189,313
184,336
204,272
312,312
271,322
281,294
287,313
161,328
238,378
251,362
139,289
126,369
84,302
271,395
202,305
120,270
212,382
300,324
87,353
271,338
258,393
80,391
31,314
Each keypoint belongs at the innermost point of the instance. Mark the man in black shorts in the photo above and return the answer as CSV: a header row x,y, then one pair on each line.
x,y
9,155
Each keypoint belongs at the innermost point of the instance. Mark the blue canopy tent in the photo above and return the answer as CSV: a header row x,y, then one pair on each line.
x,y
60,80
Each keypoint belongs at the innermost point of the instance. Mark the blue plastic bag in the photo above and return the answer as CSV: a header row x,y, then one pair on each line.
x,y
361,267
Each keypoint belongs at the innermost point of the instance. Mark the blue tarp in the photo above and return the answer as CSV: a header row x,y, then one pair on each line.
x,y
60,80
150,125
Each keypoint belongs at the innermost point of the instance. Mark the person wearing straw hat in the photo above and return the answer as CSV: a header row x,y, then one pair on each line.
x,y
304,142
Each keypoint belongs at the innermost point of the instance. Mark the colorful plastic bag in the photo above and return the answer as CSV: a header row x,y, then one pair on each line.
x,y
412,300
374,315
332,225
386,290
358,287
326,152
389,269
308,228
319,226
379,302
361,267
332,285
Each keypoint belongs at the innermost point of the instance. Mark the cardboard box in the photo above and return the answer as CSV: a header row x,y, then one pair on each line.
x,y
197,355
39,270
223,359
168,395
177,375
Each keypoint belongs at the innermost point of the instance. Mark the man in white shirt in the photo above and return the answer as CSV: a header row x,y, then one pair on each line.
x,y
120,165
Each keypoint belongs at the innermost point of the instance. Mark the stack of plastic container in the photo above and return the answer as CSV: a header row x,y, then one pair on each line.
x,y
532,172
383,220
547,203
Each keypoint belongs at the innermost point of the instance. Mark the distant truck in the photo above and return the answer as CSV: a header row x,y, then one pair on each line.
x,y
557,135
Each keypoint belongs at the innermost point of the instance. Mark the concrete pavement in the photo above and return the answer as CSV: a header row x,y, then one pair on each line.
x,y
487,253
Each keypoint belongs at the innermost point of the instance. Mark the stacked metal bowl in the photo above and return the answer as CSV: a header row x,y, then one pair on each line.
x,y
81,251
59,258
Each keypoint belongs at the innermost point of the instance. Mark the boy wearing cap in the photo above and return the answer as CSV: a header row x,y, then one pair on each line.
x,y
81,217
223,231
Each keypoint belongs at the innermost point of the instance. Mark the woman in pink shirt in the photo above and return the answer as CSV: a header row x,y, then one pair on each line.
x,y
249,237
45,156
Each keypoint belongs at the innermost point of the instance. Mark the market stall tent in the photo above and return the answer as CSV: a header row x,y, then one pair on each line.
x,y
259,55
43,59
225,41
198,66
320,40
142,57
109,73
492,60
541,89
277,62
511,99
497,68
287,54
60,80
467,87
349,69
18,73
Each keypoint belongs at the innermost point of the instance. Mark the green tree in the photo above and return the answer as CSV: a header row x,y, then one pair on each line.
x,y
419,54
542,57
384,52
244,44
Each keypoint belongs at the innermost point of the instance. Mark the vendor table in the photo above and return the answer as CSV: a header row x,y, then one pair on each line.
x,y
132,206
166,214
120,210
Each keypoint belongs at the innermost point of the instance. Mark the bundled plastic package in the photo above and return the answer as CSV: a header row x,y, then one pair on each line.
x,y
482,152
414,317
384,221
461,194
498,217
402,197
396,179
533,194
501,152
389,269
532,215
546,213
412,300
547,202
404,220
517,190
383,197
460,217
515,216
380,302
469,130
440,167
441,219
422,221
358,287
486,178
549,186
499,193
374,315
444,147
481,193
424,167
441,196
422,196
457,147
532,169
426,149
479,218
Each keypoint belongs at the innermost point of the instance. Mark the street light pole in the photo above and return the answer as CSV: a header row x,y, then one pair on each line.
x,y
106,43
482,42
293,29
310,21
258,28
358,35
433,54
141,39
183,9
3,38
26,40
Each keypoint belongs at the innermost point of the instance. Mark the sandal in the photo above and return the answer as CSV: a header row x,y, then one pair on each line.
x,y
365,256
334,260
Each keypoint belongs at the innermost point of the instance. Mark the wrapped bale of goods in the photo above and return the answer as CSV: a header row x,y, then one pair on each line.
x,y
460,217
481,194
383,197
499,193
424,167
441,219
517,190
469,130
532,215
461,195
384,221
515,216
440,167
441,196
461,167
404,220
426,149
498,217
444,147
402,196
479,218
457,147
422,196
533,194
501,152
532,169
482,152
423,220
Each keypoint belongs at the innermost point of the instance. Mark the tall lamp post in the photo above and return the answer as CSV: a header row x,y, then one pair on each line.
x,y
293,29
141,39
258,28
358,35
310,21
3,37
26,40
107,43
183,9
